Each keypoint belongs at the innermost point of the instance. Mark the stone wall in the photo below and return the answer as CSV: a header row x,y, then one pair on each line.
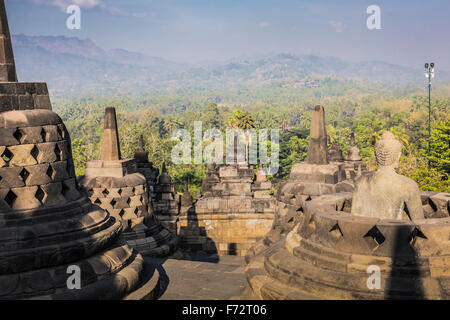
x,y
234,213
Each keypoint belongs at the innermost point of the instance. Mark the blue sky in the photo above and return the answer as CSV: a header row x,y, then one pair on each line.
x,y
413,31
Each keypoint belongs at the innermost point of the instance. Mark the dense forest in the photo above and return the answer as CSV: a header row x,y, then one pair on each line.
x,y
366,108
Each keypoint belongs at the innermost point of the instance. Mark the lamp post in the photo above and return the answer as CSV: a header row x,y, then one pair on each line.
x,y
429,73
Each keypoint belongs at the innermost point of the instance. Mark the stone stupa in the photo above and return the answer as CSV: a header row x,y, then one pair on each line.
x,y
115,185
47,226
165,205
308,180
374,248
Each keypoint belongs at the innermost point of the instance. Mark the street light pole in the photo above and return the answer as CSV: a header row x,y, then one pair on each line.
x,y
429,73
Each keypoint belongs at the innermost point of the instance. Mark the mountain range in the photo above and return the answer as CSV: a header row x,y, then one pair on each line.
x,y
73,65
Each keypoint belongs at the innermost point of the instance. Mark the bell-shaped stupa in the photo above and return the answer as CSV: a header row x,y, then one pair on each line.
x,y
116,185
49,231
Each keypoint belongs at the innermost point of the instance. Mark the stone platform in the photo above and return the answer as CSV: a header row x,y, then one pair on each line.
x,y
201,277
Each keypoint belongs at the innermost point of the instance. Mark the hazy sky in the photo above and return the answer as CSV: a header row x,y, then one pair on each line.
x,y
413,31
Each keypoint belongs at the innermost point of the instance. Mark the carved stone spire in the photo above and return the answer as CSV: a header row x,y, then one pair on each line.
x,y
140,155
317,149
7,65
110,144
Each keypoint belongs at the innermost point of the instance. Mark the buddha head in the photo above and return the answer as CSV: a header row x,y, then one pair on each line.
x,y
388,151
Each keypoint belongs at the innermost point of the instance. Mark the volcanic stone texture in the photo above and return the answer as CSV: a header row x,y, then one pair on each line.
x,y
46,223
328,253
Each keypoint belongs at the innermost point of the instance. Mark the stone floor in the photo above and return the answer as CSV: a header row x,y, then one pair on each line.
x,y
201,277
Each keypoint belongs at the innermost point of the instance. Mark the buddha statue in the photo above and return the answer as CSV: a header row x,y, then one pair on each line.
x,y
386,194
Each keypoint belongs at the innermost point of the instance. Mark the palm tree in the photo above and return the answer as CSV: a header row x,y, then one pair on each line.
x,y
244,121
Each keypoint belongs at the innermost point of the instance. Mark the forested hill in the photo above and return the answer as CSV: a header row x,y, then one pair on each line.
x,y
76,66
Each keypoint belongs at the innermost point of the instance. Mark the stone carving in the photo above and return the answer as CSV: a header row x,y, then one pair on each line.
x,y
116,186
328,253
386,194
47,223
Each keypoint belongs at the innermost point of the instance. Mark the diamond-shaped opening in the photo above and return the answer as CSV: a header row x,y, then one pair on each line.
x,y
18,135
134,190
7,156
43,135
336,232
50,171
113,202
141,199
374,238
128,200
24,174
416,235
121,213
57,153
39,194
35,152
97,201
105,192
60,133
119,192
136,211
10,198
90,192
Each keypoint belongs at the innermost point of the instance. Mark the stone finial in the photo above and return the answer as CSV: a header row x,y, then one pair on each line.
x,y
141,143
7,64
110,144
388,151
164,178
353,153
140,155
317,149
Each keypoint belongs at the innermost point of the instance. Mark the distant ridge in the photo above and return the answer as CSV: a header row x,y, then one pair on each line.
x,y
70,64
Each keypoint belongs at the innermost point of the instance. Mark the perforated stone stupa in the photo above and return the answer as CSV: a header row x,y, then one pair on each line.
x,y
338,243
46,223
116,186
308,180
